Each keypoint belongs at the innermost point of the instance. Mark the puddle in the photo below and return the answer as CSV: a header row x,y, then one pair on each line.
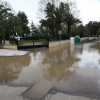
x,y
65,68
11,67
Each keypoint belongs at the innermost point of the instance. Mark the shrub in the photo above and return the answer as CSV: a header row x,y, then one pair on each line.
x,y
98,32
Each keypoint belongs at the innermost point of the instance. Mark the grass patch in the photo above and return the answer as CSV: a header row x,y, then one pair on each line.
x,y
12,42
22,42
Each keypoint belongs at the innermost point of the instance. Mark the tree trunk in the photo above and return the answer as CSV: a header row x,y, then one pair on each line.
x,y
53,33
69,30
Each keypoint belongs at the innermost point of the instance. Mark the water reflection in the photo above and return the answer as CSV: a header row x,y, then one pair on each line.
x,y
10,67
87,76
54,67
57,68
59,63
96,46
60,71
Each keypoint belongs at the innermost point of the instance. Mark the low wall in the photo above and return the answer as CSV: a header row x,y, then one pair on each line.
x,y
13,47
57,43
85,38
7,45
51,44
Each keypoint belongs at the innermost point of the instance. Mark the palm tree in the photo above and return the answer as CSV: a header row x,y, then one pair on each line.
x,y
4,13
53,18
58,17
49,25
71,20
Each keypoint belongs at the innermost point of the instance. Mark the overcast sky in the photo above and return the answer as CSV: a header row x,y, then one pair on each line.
x,y
89,9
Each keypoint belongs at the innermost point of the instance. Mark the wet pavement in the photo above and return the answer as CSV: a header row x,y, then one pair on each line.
x,y
69,69
11,93
8,52
14,93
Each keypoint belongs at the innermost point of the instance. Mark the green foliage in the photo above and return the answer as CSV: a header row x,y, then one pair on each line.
x,y
19,30
93,27
98,32
23,20
12,23
56,15
44,32
5,13
22,42
2,34
71,20
32,28
78,30
15,24
65,36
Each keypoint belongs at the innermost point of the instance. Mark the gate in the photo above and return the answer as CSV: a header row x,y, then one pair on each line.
x,y
31,45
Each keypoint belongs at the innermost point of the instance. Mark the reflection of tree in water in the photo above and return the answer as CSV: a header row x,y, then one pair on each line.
x,y
96,46
59,62
10,67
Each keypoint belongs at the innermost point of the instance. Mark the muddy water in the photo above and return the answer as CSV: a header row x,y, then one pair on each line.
x,y
74,68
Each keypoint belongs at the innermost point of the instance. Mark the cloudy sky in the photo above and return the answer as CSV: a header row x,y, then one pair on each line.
x,y
89,9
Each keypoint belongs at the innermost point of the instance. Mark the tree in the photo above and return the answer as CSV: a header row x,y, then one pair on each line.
x,y
5,13
23,20
50,21
56,15
12,26
98,32
44,32
78,30
93,27
32,28
2,34
53,18
71,20
42,5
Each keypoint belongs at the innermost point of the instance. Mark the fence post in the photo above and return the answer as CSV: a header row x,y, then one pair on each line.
x,y
17,43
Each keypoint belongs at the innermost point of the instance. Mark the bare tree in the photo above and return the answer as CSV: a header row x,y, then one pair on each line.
x,y
42,5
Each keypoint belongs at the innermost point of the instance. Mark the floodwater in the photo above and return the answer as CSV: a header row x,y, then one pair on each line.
x,y
73,68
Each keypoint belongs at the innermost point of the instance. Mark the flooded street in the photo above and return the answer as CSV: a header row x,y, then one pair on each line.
x,y
67,69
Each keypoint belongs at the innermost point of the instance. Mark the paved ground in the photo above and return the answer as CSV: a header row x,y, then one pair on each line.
x,y
61,96
14,93
7,52
11,93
